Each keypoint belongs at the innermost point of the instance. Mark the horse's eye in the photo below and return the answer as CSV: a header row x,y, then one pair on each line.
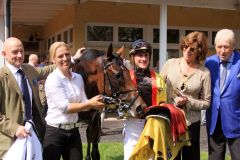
x,y
118,75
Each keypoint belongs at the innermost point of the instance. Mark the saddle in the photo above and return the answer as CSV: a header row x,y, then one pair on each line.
x,y
174,115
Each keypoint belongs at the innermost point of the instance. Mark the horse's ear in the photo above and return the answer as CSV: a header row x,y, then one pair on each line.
x,y
110,52
120,52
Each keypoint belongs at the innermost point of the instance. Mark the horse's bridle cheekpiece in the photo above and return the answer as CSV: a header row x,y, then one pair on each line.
x,y
113,99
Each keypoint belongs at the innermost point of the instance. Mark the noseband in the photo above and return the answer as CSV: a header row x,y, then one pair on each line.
x,y
114,98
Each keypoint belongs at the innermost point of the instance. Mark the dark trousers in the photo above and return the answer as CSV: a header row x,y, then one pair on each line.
x,y
217,144
191,152
59,142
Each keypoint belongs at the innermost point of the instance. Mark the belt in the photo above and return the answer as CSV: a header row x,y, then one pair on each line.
x,y
66,126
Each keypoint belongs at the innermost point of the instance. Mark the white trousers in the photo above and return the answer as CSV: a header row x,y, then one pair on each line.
x,y
132,131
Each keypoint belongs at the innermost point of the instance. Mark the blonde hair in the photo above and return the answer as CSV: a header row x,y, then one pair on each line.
x,y
225,34
54,47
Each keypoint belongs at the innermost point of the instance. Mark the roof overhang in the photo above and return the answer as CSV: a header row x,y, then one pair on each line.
x,y
215,4
39,12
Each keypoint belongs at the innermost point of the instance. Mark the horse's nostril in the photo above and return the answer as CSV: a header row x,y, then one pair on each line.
x,y
139,110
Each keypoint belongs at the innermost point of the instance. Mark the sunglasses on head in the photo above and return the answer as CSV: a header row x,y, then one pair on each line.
x,y
191,49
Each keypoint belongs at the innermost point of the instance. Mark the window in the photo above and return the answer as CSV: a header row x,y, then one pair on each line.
x,y
53,39
31,46
129,34
59,38
99,33
155,35
172,36
65,37
71,35
172,53
49,43
213,37
155,55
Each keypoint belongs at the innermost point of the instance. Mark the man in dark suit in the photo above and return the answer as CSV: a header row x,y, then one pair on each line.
x,y
223,116
13,113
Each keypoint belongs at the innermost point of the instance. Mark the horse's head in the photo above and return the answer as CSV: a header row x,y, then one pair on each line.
x,y
106,74
118,83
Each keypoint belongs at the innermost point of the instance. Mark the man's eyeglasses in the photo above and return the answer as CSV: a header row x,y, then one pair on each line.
x,y
191,49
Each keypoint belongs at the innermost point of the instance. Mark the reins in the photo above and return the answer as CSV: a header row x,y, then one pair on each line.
x,y
113,99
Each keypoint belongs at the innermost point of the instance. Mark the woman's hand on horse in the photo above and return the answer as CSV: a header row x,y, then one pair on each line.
x,y
97,102
78,54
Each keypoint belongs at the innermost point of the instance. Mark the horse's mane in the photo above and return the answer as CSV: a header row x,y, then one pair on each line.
x,y
90,54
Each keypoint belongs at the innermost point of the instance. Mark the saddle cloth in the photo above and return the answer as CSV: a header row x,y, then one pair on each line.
x,y
164,134
155,141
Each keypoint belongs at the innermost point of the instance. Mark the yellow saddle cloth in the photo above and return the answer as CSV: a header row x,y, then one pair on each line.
x,y
156,141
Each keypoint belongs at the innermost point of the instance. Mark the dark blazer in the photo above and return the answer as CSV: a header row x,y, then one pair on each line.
x,y
12,104
227,101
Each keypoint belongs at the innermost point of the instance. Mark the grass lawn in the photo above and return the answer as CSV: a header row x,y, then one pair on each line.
x,y
114,151
108,151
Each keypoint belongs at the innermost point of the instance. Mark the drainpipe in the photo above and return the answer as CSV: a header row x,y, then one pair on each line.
x,y
5,22
8,19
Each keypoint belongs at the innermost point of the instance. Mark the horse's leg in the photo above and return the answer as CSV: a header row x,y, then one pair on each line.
x,y
95,152
88,135
96,133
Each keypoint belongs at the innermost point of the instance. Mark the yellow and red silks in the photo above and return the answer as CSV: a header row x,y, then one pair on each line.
x,y
156,140
158,87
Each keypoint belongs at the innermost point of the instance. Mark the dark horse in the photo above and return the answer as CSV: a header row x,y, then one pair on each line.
x,y
106,74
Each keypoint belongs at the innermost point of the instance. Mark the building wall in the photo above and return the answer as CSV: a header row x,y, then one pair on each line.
x,y
202,17
117,13
113,13
79,15
64,19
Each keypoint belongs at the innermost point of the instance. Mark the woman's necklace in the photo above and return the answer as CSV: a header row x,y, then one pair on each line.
x,y
186,72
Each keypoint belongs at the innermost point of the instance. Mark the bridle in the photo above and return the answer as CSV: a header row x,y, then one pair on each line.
x,y
115,93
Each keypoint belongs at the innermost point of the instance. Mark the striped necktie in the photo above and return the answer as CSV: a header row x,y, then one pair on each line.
x,y
223,75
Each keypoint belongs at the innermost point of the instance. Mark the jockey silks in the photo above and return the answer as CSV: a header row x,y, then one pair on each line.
x,y
151,86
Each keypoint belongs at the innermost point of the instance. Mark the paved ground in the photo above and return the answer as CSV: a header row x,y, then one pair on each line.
x,y
112,127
